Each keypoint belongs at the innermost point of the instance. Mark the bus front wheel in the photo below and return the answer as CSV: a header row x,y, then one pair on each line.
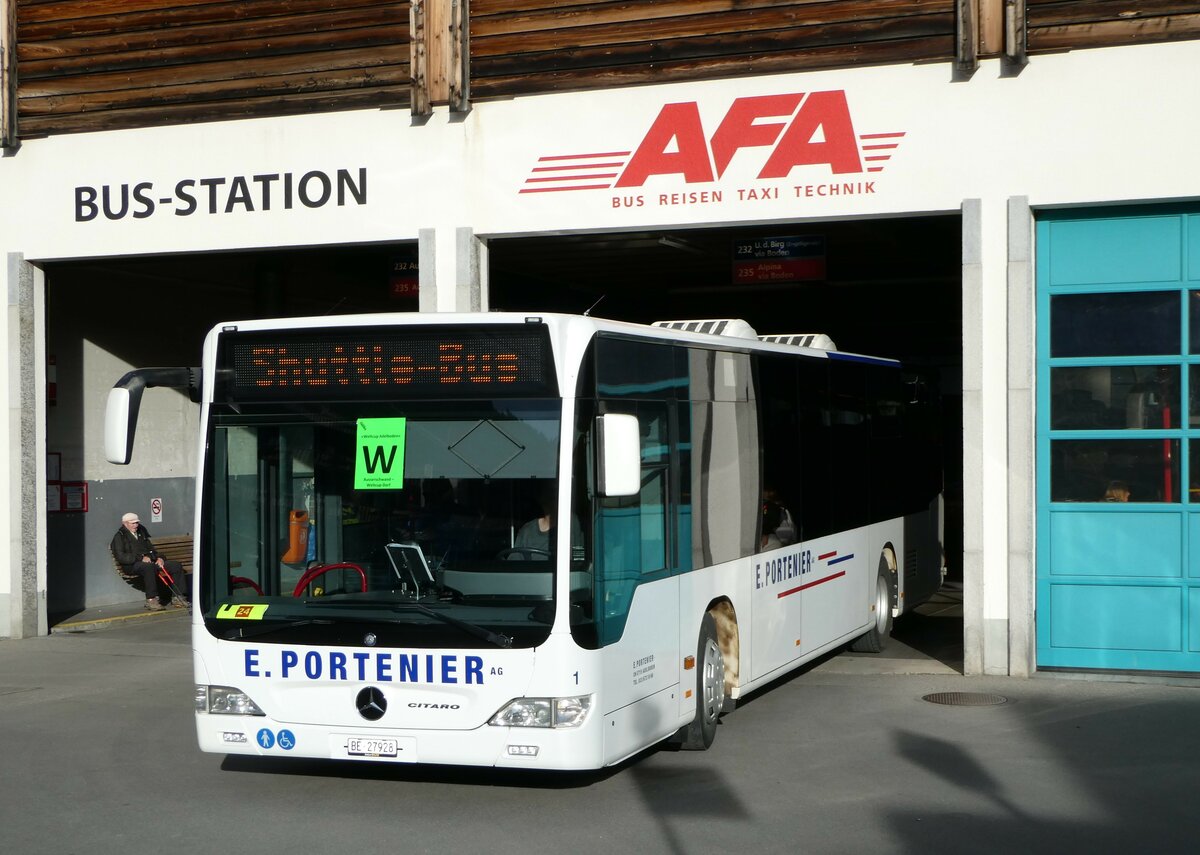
x,y
710,689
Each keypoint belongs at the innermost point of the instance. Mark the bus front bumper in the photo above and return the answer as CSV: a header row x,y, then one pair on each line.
x,y
515,747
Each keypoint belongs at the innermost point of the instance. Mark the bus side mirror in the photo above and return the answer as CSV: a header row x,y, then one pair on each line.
x,y
119,424
620,454
125,399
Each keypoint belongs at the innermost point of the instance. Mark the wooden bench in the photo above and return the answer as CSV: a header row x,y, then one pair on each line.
x,y
176,547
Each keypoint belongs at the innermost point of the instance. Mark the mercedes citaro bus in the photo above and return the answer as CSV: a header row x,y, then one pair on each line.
x,y
540,541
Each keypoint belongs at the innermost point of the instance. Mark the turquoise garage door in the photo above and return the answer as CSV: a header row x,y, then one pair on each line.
x,y
1118,450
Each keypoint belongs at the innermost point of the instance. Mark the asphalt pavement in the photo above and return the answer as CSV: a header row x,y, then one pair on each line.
x,y
98,755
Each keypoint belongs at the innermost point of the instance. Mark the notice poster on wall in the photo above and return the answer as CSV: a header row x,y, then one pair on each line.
x,y
74,496
798,258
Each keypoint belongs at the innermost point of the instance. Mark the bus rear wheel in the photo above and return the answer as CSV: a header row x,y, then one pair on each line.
x,y
710,689
873,640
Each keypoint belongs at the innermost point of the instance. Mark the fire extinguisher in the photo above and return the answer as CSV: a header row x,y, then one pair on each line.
x,y
297,537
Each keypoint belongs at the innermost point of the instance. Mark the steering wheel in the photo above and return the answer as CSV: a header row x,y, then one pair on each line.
x,y
313,573
523,553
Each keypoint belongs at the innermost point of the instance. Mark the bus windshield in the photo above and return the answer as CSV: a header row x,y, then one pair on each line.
x,y
402,524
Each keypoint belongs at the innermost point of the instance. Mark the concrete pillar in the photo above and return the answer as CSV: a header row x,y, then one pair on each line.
x,y
453,275
1022,640
23,452
985,433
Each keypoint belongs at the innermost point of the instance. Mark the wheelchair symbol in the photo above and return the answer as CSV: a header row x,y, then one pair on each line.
x,y
287,741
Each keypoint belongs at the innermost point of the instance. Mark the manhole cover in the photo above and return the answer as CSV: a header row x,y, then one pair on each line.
x,y
965,699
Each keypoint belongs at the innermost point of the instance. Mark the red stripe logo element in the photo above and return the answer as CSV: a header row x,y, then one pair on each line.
x,y
807,585
877,148
558,172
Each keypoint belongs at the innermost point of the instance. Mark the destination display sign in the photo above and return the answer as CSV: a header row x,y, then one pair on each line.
x,y
381,362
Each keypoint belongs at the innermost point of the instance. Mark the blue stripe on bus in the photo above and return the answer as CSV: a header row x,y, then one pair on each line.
x,y
840,559
869,360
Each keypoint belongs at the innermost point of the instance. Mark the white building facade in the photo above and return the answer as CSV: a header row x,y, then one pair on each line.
x,y
1073,137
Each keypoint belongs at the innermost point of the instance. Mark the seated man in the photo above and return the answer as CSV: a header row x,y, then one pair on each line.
x,y
134,551
533,538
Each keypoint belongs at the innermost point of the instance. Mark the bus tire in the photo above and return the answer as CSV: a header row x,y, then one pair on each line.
x,y
873,640
710,689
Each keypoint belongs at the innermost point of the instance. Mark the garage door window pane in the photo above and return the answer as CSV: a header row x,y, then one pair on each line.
x,y
1194,397
1194,481
1131,324
1194,318
1115,397
1116,470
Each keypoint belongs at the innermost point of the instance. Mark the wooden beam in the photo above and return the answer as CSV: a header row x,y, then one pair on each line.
x,y
8,73
439,33
460,77
387,97
739,65
437,49
991,27
1108,33
966,43
695,17
199,74
282,86
418,59
1015,29
251,36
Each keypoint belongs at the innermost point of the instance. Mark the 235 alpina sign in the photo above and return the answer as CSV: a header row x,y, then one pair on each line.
x,y
794,142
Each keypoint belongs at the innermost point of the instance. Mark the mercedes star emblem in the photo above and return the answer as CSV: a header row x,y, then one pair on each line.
x,y
371,704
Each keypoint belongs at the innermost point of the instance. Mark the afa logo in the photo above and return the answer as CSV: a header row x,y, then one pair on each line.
x,y
788,131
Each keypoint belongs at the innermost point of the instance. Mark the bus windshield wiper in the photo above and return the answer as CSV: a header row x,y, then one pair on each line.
x,y
242,632
487,635
480,632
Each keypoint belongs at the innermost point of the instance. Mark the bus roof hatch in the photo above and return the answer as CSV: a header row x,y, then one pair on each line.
x,y
718,326
820,341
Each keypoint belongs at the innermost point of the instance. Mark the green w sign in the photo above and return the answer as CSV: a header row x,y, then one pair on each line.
x,y
379,458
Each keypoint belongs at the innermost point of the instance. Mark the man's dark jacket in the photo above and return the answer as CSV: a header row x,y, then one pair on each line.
x,y
129,549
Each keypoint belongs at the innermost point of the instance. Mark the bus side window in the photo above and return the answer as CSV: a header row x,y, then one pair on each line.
x,y
634,538
817,517
724,425
782,444
888,483
631,531
851,444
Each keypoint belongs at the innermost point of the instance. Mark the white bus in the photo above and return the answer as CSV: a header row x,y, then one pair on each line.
x,y
379,572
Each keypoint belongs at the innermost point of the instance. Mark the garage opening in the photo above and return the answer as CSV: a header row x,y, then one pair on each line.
x,y
884,287
104,317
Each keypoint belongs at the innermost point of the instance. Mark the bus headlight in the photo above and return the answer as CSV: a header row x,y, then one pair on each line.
x,y
225,700
544,712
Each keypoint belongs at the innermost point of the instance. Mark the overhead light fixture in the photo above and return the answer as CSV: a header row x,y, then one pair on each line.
x,y
678,243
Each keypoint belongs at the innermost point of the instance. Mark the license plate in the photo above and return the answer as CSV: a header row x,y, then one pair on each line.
x,y
371,746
